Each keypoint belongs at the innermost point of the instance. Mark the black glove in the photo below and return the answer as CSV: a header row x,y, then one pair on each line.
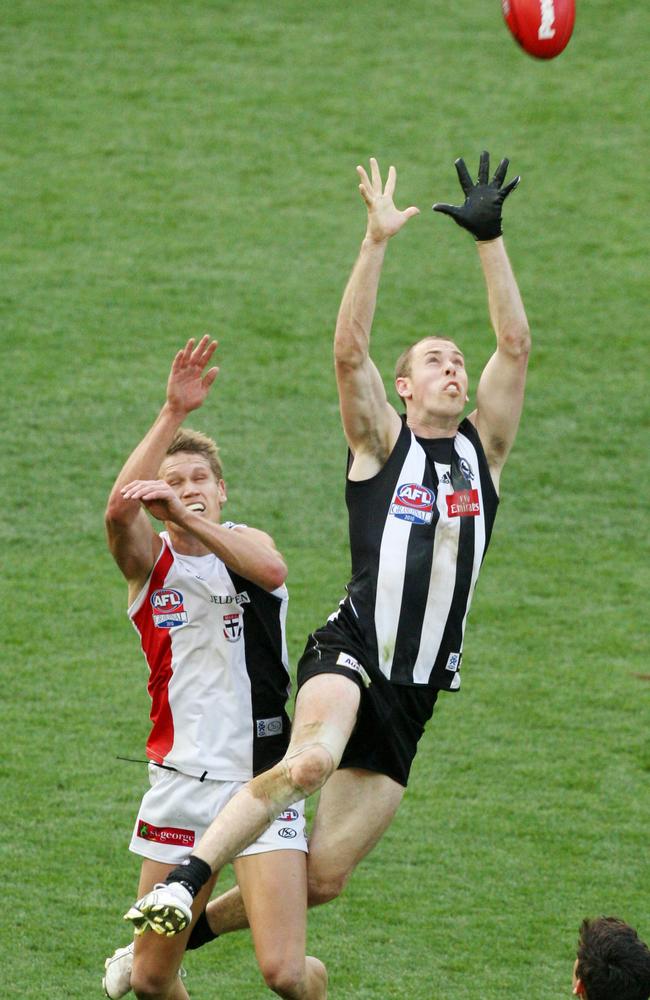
x,y
481,213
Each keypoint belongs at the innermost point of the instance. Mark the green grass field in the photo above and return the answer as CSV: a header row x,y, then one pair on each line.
x,y
174,168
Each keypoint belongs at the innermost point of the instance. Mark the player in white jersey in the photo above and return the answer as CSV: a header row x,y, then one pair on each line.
x,y
208,600
422,494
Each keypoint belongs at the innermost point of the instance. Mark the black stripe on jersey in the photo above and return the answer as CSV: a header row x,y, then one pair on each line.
x,y
268,677
419,557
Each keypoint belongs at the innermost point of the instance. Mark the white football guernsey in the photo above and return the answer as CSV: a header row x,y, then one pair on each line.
x,y
218,679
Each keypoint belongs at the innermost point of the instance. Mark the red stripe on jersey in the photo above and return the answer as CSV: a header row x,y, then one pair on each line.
x,y
157,647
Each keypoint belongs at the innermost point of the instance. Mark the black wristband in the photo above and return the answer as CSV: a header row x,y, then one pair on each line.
x,y
192,873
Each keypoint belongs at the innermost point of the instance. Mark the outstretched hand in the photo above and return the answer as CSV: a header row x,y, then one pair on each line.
x,y
384,220
481,212
187,386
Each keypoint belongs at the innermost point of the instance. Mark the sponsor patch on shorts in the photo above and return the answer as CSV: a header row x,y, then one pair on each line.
x,y
166,834
268,727
288,816
345,660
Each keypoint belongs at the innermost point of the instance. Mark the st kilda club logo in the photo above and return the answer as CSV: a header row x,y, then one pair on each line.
x,y
232,626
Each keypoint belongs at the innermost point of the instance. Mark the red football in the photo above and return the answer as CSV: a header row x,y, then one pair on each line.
x,y
542,27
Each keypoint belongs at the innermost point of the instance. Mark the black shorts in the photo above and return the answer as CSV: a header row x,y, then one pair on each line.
x,y
391,717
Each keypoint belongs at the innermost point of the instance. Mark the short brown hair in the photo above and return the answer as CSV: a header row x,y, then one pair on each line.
x,y
403,366
194,442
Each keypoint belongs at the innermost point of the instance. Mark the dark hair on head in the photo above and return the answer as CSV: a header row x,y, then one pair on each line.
x,y
613,961
197,443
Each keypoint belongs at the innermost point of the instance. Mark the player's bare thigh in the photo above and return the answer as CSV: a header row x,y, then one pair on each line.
x,y
355,809
325,714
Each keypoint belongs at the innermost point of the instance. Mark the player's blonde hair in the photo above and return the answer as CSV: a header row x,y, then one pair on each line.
x,y
194,442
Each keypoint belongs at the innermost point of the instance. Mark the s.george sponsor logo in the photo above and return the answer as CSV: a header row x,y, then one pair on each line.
x,y
289,816
463,503
268,727
233,626
413,502
287,833
166,834
547,19
167,607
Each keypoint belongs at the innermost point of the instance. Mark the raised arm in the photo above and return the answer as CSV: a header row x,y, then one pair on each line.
x,y
131,538
500,392
370,423
247,551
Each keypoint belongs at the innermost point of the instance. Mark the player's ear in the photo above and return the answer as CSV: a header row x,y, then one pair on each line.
x,y
223,496
403,387
579,988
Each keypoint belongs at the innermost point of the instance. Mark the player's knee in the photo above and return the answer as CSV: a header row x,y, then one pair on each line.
x,y
310,768
323,887
149,983
283,975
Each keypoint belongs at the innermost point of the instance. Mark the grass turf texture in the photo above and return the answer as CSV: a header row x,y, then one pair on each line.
x,y
174,168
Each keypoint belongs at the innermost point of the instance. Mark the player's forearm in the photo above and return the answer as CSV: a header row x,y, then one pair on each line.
x,y
357,310
245,552
144,462
507,312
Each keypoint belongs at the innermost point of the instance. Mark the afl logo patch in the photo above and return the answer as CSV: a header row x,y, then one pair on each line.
x,y
167,606
413,502
287,833
288,816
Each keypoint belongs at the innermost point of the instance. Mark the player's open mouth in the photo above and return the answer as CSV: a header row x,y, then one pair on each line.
x,y
452,385
198,508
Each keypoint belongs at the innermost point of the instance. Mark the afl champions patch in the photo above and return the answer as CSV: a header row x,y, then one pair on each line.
x,y
413,502
168,610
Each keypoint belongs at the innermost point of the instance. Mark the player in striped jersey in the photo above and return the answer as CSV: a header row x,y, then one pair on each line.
x,y
208,601
422,492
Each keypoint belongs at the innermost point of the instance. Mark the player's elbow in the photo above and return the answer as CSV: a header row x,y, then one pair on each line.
x,y
275,573
350,346
515,340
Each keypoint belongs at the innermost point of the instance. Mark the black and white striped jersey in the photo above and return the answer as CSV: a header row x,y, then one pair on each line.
x,y
418,532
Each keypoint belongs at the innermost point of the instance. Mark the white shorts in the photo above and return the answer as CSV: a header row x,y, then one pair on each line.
x,y
178,809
